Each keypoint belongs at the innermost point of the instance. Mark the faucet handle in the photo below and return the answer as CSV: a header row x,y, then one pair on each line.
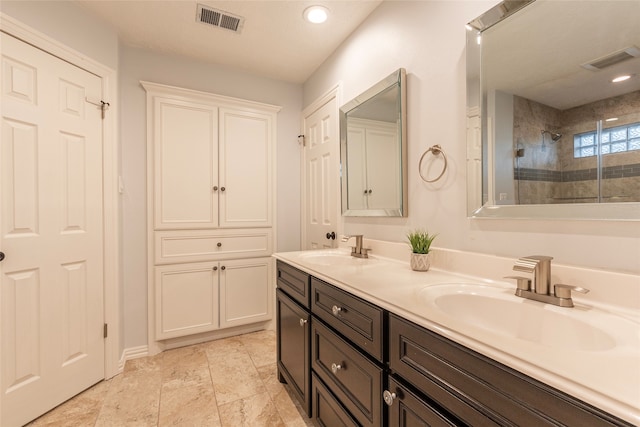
x,y
564,291
523,283
347,237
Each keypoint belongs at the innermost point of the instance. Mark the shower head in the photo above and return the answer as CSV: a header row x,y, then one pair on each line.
x,y
555,136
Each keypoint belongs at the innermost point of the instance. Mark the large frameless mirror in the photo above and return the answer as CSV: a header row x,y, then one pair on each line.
x,y
553,125
373,150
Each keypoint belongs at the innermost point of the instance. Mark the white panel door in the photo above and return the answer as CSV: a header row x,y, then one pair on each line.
x,y
321,166
245,168
245,291
51,288
186,164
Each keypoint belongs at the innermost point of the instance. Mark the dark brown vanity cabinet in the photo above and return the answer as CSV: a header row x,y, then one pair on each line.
x,y
293,324
477,390
346,358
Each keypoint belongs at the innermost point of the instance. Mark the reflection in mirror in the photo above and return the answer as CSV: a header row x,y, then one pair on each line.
x,y
547,125
373,150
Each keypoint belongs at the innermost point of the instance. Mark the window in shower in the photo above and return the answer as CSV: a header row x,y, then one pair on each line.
x,y
614,140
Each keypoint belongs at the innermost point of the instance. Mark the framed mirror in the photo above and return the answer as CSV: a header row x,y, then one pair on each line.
x,y
552,130
373,150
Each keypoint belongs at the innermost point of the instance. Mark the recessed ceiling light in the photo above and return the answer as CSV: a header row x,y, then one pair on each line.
x,y
316,14
621,78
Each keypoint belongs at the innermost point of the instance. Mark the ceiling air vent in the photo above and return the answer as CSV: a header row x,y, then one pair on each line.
x,y
219,18
612,59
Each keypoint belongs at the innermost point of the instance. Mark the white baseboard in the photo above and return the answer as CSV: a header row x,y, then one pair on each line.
x,y
132,353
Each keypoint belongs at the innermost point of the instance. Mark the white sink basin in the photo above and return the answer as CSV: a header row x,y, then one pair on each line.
x,y
333,258
498,311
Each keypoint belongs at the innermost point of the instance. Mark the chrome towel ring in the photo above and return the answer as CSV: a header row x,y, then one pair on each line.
x,y
435,150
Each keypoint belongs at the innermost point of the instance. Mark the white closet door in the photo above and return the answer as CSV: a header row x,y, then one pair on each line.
x,y
186,164
245,168
51,286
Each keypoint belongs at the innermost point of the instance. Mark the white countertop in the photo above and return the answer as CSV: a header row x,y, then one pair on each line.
x,y
608,379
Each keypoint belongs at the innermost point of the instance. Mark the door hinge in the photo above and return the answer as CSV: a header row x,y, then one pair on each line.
x,y
301,140
105,330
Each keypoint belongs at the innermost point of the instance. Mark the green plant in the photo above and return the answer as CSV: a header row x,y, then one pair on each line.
x,y
420,241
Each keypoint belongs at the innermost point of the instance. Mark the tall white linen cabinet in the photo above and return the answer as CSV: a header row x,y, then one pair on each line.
x,y
210,204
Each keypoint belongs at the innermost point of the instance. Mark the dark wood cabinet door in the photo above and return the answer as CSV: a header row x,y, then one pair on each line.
x,y
408,410
293,329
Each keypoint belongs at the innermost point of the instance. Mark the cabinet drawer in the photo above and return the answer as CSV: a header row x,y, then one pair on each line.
x,y
327,411
294,282
358,320
408,409
353,378
204,245
293,347
479,390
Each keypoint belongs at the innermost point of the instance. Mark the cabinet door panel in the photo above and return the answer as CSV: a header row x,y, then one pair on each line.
x,y
245,168
245,291
186,164
294,362
186,299
327,411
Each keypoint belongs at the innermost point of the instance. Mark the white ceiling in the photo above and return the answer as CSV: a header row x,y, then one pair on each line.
x,y
275,41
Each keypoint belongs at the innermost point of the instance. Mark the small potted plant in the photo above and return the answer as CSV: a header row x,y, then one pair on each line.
x,y
420,242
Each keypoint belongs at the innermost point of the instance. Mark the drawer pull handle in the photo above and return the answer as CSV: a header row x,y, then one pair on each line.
x,y
219,244
336,310
303,321
335,368
388,397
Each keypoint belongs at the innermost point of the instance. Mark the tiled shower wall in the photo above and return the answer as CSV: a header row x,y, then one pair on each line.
x,y
548,171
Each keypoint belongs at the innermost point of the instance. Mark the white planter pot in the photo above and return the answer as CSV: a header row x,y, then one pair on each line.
x,y
420,262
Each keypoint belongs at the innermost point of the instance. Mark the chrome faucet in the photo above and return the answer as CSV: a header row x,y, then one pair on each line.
x,y
357,251
540,288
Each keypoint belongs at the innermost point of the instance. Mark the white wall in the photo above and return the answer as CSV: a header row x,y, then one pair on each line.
x,y
136,65
428,39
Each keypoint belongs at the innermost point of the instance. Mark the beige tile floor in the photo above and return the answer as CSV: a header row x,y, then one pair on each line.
x,y
229,382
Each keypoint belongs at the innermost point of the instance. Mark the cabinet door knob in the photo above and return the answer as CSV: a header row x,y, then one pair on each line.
x,y
388,397
215,188
219,244
215,268
222,188
335,368
336,310
223,268
302,322
1,256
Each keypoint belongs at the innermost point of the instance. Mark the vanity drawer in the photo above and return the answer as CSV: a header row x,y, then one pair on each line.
x,y
179,246
478,390
358,320
294,282
354,379
327,411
